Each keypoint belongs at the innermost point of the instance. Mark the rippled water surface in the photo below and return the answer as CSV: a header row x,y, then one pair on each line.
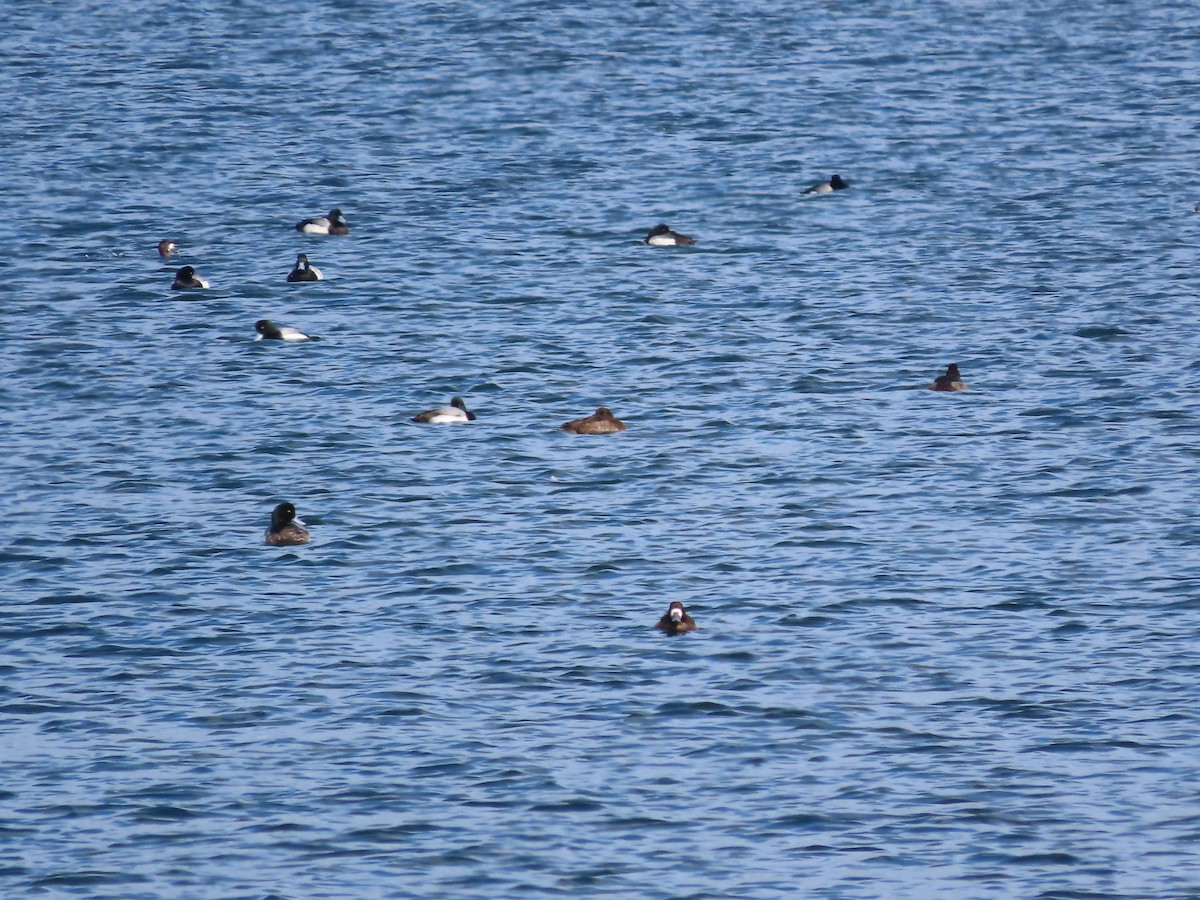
x,y
947,642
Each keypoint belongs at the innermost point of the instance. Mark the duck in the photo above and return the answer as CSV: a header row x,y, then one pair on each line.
x,y
951,381
186,279
304,271
662,236
334,223
286,529
268,330
602,421
827,187
454,414
676,620
167,248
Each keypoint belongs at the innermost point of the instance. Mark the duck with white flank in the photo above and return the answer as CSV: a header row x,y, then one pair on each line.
x,y
186,279
826,187
304,271
269,331
334,223
454,414
662,236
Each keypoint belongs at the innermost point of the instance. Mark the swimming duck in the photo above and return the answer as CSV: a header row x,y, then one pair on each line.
x,y
268,330
166,247
827,187
303,271
453,414
186,279
334,223
676,620
285,528
951,381
662,236
602,421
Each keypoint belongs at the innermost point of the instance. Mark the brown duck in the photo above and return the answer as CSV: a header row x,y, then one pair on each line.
x,y
951,381
676,620
286,529
602,421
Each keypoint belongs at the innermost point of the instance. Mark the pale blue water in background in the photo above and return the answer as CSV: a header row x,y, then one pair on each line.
x,y
948,643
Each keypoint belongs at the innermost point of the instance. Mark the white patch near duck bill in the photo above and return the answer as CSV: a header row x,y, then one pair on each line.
x,y
677,615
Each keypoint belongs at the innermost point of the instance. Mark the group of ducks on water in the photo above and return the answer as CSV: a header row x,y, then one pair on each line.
x,y
601,422
663,236
186,278
335,222
287,530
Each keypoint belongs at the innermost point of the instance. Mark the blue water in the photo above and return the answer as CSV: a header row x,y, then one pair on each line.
x,y
947,642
